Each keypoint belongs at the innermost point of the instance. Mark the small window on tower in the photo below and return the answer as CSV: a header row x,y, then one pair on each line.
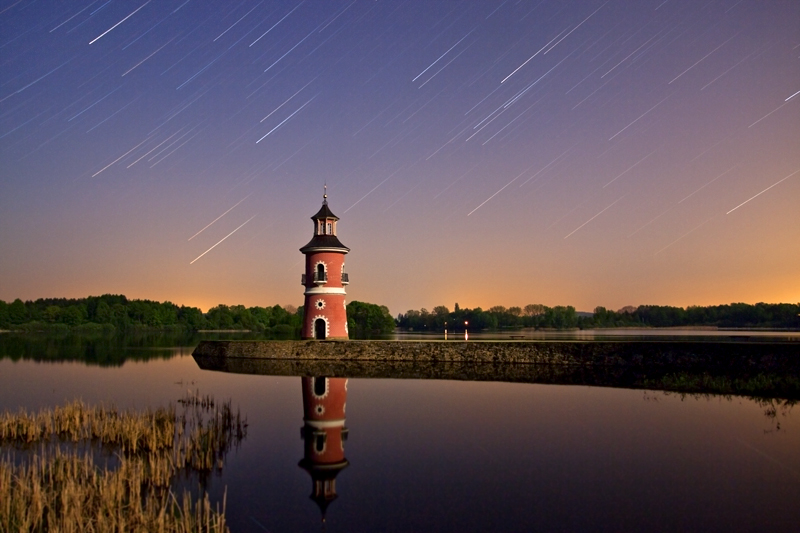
x,y
330,229
319,442
320,387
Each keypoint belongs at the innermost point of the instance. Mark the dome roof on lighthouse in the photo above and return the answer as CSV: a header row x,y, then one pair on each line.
x,y
324,212
324,239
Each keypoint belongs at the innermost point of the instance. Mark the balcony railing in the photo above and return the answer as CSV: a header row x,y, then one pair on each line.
x,y
317,277
322,277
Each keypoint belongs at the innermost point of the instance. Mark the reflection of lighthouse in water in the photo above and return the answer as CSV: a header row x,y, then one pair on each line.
x,y
323,433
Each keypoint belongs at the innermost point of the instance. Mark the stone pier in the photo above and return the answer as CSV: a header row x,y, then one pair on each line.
x,y
763,369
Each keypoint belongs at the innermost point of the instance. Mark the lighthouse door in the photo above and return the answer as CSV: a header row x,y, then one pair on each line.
x,y
319,329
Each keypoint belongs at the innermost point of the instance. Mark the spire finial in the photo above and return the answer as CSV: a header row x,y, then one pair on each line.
x,y
325,194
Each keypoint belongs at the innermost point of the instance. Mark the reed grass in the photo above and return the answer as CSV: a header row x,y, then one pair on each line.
x,y
51,481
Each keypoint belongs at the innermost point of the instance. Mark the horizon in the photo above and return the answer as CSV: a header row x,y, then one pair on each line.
x,y
288,306
586,153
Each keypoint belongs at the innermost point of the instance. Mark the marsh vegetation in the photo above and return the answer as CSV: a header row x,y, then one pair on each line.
x,y
78,467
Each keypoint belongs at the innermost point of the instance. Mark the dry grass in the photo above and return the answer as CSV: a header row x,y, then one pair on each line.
x,y
58,485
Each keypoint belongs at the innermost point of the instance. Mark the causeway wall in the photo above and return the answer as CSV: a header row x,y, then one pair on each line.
x,y
766,370
779,356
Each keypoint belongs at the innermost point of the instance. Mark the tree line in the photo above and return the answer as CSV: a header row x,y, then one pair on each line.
x,y
115,312
365,320
735,315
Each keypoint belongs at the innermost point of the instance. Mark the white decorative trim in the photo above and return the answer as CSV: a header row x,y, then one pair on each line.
x,y
320,304
325,424
324,268
324,290
325,249
327,331
319,409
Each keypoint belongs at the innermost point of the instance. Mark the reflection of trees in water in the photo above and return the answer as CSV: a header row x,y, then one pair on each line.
x,y
779,385
774,409
109,349
103,350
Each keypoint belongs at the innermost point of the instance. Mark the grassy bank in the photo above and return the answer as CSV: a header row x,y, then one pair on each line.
x,y
84,468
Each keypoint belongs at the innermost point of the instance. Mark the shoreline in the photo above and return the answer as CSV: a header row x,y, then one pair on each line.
x,y
92,327
555,351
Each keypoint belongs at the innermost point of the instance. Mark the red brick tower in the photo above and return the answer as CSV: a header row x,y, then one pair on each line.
x,y
324,309
323,433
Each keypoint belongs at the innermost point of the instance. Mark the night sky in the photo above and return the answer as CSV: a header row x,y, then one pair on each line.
x,y
487,153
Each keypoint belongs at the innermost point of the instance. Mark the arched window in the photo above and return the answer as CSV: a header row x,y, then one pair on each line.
x,y
320,387
320,329
319,442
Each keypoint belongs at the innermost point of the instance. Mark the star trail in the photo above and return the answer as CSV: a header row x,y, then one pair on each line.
x,y
488,153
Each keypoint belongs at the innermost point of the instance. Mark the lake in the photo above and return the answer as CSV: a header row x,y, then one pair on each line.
x,y
428,455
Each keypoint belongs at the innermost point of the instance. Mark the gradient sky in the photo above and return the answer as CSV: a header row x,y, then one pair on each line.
x,y
487,153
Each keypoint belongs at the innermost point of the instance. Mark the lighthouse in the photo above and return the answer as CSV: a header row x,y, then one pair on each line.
x,y
324,435
324,307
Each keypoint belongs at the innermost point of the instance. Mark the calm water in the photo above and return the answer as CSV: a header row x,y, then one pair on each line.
x,y
427,455
617,334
